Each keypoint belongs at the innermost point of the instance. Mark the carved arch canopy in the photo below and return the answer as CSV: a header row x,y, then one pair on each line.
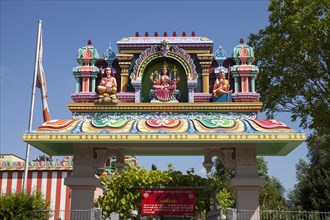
x,y
164,50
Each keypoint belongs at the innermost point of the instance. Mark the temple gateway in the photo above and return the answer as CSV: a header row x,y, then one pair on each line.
x,y
165,95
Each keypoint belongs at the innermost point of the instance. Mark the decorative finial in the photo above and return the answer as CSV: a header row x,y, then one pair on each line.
x,y
137,34
241,41
165,65
220,57
165,34
146,34
183,34
89,42
156,34
174,34
193,34
164,47
109,55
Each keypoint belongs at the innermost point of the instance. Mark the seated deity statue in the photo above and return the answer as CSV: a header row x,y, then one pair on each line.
x,y
164,87
221,85
107,88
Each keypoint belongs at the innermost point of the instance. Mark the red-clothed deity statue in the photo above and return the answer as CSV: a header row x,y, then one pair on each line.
x,y
164,87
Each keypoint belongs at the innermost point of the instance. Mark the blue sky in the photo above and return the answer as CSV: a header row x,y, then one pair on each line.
x,y
67,25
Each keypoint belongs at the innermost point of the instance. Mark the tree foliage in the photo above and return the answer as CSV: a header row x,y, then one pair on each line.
x,y
122,192
312,192
23,206
222,177
271,196
293,55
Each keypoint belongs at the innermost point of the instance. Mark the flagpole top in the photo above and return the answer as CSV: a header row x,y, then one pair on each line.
x,y
40,21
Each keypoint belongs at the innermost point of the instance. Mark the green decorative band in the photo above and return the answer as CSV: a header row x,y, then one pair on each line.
x,y
100,123
215,123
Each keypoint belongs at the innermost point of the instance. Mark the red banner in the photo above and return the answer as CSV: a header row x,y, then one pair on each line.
x,y
176,202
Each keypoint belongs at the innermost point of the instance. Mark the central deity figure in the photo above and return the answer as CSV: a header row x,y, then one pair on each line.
x,y
164,86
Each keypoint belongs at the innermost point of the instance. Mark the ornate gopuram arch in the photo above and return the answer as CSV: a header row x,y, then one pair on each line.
x,y
123,125
164,52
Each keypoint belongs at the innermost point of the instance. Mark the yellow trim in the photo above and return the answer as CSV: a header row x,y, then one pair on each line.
x,y
188,138
167,107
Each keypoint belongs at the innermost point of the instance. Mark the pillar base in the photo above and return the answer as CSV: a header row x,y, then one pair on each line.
x,y
82,191
247,195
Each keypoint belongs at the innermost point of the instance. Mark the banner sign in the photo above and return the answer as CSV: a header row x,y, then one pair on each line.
x,y
174,202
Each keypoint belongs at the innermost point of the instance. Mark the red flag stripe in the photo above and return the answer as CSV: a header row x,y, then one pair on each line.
x,y
46,113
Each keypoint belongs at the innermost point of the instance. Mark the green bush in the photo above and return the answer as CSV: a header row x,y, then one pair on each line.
x,y
122,192
23,206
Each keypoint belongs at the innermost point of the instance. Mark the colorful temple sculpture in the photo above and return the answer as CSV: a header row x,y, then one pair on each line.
x,y
244,74
173,96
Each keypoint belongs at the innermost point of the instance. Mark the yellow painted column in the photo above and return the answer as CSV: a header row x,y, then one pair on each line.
x,y
205,60
205,80
124,61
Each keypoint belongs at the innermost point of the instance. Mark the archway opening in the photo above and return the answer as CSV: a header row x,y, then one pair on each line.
x,y
156,65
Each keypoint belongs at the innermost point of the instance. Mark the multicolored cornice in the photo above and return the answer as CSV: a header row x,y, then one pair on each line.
x,y
179,137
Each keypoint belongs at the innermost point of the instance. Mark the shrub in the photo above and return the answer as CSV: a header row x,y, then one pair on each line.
x,y
23,206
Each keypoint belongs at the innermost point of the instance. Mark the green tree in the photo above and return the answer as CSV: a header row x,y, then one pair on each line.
x,y
222,177
271,196
17,206
312,192
122,192
293,55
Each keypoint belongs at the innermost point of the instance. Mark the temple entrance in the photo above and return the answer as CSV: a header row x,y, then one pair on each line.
x,y
131,124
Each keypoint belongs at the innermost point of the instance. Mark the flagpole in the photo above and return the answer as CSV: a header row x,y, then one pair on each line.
x,y
28,146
